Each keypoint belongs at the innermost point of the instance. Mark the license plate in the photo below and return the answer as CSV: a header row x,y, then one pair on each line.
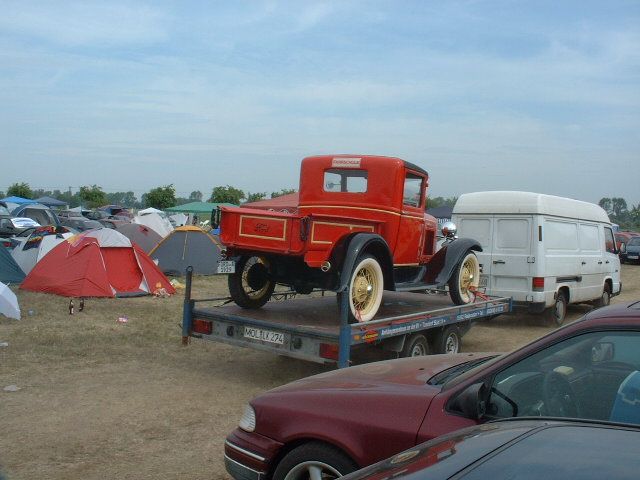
x,y
483,281
226,266
633,257
264,335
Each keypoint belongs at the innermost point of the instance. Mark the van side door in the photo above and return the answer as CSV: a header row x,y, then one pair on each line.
x,y
591,262
512,257
611,259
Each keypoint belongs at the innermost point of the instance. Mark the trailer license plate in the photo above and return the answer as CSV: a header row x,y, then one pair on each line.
x,y
264,335
226,266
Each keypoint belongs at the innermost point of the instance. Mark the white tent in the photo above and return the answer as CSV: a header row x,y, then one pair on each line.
x,y
149,210
32,249
156,222
9,303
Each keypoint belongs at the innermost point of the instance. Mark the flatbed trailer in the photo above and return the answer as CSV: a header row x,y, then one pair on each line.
x,y
312,328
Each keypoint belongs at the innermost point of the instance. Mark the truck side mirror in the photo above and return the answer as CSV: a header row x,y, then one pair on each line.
x,y
471,401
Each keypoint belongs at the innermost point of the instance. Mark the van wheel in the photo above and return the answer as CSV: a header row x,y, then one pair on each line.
x,y
415,346
448,340
557,314
365,289
251,286
313,460
605,299
465,280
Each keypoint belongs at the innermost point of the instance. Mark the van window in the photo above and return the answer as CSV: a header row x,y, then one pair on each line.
x,y
339,180
512,233
561,235
609,243
478,229
589,241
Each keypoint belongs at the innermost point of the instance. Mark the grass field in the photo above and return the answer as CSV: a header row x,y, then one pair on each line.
x,y
97,398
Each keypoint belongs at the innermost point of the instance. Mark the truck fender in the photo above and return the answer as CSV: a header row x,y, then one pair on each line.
x,y
356,245
453,253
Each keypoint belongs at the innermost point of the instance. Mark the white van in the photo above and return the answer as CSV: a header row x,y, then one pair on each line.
x,y
543,251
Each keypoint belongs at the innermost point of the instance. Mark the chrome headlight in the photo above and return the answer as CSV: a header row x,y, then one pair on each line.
x,y
248,419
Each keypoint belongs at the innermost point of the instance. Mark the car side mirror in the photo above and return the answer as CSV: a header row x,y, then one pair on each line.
x,y
602,352
471,402
623,247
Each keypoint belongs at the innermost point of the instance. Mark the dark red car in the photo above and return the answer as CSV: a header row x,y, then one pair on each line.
x,y
333,423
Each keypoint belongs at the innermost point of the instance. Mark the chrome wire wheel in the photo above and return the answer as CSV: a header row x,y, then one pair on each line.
x,y
365,289
312,470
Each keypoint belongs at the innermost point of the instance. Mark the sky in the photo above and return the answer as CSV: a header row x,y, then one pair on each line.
x,y
485,95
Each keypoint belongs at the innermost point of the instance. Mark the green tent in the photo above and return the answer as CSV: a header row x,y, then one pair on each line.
x,y
198,207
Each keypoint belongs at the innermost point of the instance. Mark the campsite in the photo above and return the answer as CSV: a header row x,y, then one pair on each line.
x,y
96,397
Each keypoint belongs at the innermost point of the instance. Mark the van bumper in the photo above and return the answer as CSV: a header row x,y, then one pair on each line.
x,y
531,307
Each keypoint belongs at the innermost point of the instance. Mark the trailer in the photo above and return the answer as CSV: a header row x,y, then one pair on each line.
x,y
313,329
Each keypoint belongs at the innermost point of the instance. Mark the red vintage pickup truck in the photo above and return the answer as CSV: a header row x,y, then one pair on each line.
x,y
360,228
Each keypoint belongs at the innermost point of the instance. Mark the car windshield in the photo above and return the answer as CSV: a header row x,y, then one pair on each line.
x,y
452,373
634,242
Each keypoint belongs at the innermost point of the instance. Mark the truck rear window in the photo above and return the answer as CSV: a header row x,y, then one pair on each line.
x,y
339,180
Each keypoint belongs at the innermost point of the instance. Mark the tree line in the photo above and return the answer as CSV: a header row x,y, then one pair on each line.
x,y
620,213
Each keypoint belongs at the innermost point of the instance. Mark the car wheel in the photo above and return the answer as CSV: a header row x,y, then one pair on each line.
x,y
557,314
465,280
605,299
251,286
314,461
415,346
365,289
448,340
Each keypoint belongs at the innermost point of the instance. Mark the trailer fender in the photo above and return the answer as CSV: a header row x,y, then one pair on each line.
x,y
453,253
359,244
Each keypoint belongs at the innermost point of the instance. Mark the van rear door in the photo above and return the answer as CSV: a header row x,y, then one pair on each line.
x,y
512,258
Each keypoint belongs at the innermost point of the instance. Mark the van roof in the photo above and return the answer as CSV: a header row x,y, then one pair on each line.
x,y
504,202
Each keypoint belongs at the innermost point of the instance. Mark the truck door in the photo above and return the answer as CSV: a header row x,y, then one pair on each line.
x,y
512,258
411,235
480,228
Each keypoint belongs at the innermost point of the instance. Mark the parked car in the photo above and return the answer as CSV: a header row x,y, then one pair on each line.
x,y
75,219
545,252
623,237
631,253
587,369
522,449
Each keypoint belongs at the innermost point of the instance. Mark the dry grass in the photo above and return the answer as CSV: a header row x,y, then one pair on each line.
x,y
102,399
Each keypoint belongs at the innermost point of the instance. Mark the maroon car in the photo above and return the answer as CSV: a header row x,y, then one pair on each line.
x,y
333,423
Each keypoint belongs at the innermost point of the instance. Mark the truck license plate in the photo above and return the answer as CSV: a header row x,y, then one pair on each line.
x,y
264,335
226,266
483,281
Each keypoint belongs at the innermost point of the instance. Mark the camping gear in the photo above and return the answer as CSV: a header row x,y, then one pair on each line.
x,y
187,246
97,263
145,237
38,212
155,221
9,302
32,249
10,272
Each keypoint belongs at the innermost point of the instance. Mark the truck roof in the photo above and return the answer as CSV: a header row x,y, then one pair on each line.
x,y
379,158
513,202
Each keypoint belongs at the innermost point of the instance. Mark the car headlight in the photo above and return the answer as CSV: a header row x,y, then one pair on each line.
x,y
248,419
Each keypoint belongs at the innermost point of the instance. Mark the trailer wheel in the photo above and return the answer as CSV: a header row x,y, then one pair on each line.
x,y
415,345
558,312
465,280
313,460
250,286
365,289
448,340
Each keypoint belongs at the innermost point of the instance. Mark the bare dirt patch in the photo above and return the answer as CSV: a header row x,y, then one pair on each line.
x,y
99,399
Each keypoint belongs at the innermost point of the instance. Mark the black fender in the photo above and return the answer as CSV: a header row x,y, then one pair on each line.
x,y
453,253
357,244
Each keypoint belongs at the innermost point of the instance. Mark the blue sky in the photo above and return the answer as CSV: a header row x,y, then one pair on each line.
x,y
497,95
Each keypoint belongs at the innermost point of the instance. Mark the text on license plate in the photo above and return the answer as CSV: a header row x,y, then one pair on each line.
x,y
226,266
264,335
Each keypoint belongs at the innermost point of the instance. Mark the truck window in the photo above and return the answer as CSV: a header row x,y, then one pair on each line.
x,y
412,190
339,180
609,242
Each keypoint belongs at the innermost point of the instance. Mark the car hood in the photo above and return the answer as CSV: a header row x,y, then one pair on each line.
x,y
382,402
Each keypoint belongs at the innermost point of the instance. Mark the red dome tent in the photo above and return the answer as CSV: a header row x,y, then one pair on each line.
x,y
97,263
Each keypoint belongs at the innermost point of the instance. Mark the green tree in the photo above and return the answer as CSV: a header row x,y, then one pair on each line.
x,y
20,190
254,197
606,205
126,199
92,196
195,196
160,197
226,194
619,207
433,202
284,191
